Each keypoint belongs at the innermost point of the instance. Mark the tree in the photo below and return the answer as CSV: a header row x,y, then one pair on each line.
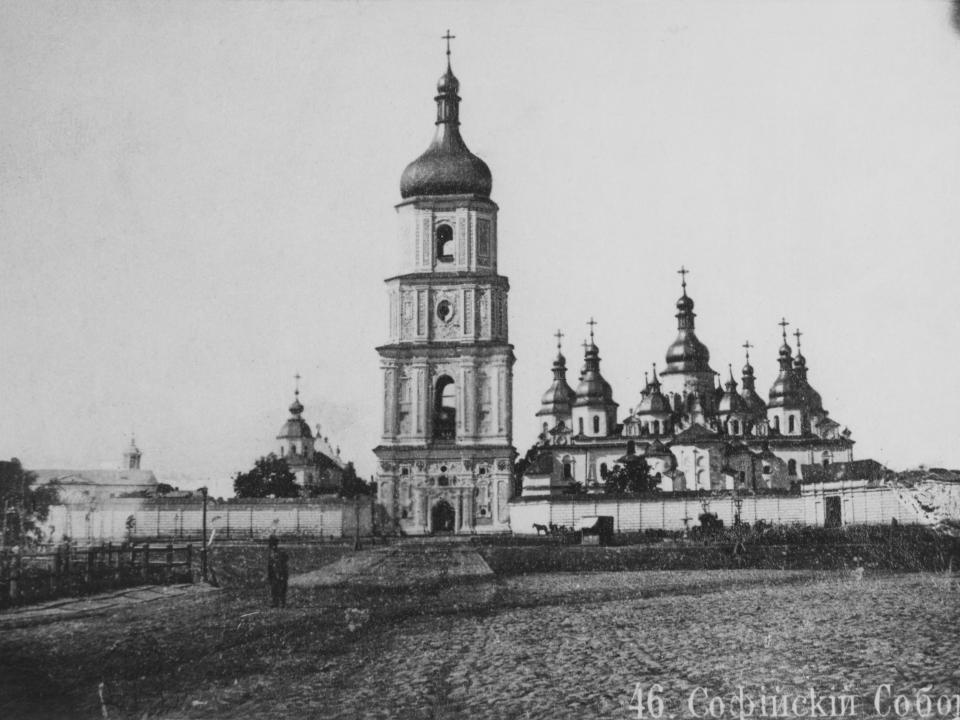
x,y
633,477
350,484
270,477
24,508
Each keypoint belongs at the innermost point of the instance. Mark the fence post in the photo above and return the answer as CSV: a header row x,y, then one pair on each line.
x,y
16,568
91,560
190,559
251,521
145,559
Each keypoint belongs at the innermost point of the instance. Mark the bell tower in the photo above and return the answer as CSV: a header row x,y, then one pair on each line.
x,y
446,455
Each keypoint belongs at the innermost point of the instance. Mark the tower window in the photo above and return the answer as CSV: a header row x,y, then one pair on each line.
x,y
791,467
444,237
444,310
596,423
445,409
603,470
656,427
776,423
790,423
580,425
568,471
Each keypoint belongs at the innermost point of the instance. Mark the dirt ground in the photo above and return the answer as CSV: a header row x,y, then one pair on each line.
x,y
571,645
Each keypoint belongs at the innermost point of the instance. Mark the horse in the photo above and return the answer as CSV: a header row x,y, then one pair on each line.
x,y
541,529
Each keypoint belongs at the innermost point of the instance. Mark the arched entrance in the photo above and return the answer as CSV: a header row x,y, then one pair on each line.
x,y
442,517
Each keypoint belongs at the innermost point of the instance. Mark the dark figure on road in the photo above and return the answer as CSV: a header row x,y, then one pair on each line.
x,y
277,573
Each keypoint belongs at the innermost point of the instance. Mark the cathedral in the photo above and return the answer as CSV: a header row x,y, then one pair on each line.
x,y
692,432
446,460
446,455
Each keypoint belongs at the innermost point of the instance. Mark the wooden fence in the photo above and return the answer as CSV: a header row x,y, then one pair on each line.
x,y
28,576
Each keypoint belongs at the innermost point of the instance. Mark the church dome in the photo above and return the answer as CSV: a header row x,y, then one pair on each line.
x,y
447,167
688,354
295,427
448,83
593,389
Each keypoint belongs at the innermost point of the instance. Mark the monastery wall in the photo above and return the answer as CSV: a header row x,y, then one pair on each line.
x,y
326,519
859,506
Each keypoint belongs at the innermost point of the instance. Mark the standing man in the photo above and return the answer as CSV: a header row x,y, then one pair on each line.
x,y
277,573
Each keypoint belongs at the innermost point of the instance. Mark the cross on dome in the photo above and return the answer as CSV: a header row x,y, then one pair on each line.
x,y
797,335
682,272
747,347
448,37
591,323
783,327
559,336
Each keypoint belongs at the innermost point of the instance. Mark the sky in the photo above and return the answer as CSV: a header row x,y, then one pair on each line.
x,y
197,203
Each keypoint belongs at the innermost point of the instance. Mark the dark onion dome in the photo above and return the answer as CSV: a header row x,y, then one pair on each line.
x,y
731,403
593,389
447,167
296,426
785,391
687,353
559,396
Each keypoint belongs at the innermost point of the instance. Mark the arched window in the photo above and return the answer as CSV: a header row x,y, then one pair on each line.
x,y
603,470
631,447
445,409
776,423
444,235
734,427
596,423
656,427
567,468
580,425
791,466
791,423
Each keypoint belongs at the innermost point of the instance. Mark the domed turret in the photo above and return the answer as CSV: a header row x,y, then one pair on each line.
x,y
447,167
687,354
558,399
132,455
594,411
653,402
593,388
755,404
295,428
785,391
731,403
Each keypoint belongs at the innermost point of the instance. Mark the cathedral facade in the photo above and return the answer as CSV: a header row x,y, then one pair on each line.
x,y
446,455
688,431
